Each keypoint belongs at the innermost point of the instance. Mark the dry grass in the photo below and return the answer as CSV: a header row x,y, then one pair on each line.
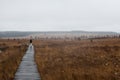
x,y
10,57
78,60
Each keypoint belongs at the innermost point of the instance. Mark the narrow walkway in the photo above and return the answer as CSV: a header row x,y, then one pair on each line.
x,y
28,69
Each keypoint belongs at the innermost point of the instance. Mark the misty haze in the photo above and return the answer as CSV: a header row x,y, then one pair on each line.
x,y
59,40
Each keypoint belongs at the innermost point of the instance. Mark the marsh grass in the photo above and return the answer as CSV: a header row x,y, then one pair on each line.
x,y
10,58
78,60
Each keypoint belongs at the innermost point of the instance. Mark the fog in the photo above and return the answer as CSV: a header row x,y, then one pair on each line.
x,y
60,15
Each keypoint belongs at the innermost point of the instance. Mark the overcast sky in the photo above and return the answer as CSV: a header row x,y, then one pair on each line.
x,y
59,15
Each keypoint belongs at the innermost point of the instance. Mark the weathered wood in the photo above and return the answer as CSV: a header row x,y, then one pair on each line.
x,y
28,69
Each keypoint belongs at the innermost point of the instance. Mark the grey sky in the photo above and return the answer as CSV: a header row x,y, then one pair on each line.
x,y
60,15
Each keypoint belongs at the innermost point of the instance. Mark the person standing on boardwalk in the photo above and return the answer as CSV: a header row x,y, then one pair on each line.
x,y
30,43
30,40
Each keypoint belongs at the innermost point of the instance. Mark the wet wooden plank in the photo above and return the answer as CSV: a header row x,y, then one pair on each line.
x,y
28,68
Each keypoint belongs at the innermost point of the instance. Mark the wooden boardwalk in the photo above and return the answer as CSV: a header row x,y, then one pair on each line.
x,y
28,69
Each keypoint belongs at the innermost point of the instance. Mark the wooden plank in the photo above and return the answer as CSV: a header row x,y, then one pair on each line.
x,y
28,68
